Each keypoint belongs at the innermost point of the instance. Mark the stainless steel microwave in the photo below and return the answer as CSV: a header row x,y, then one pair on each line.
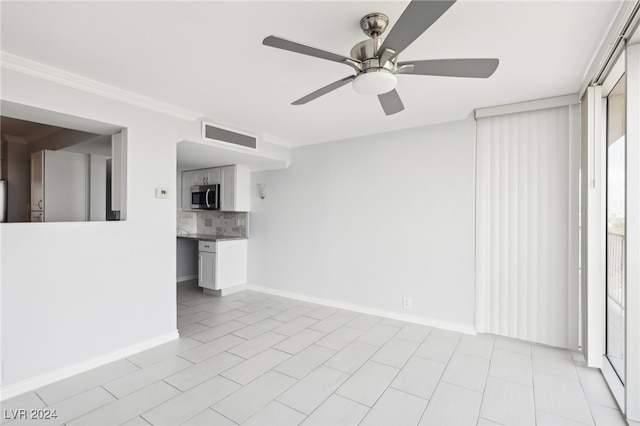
x,y
205,197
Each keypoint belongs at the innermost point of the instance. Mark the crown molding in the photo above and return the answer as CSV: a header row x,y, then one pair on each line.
x,y
36,69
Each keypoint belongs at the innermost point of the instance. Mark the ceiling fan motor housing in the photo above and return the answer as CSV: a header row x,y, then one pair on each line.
x,y
367,53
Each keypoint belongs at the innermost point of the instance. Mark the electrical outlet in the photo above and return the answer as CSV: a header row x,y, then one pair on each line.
x,y
208,221
406,303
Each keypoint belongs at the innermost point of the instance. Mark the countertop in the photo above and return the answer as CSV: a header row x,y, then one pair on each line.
x,y
209,237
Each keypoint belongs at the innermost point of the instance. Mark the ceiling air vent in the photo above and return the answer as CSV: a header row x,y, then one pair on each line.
x,y
218,134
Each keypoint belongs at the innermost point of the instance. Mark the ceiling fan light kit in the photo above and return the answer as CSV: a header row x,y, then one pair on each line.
x,y
375,82
375,60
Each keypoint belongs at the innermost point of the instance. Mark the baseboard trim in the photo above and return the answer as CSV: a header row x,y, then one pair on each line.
x,y
226,291
187,278
41,380
415,319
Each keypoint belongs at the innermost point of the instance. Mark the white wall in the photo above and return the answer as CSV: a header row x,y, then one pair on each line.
x,y
75,291
369,220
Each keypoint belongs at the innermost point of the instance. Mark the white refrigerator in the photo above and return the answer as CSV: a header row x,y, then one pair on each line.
x,y
59,186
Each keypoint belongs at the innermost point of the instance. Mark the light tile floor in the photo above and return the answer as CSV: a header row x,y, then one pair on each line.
x,y
253,358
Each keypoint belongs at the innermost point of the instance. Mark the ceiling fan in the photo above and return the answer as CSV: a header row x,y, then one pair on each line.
x,y
375,60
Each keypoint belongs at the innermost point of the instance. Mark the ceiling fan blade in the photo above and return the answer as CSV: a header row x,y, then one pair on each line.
x,y
323,91
472,68
416,18
391,102
292,46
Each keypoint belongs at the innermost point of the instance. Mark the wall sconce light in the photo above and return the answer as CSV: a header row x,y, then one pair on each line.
x,y
262,190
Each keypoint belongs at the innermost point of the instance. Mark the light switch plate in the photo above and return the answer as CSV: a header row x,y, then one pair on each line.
x,y
162,193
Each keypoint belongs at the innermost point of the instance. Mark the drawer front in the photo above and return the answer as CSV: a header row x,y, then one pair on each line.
x,y
208,246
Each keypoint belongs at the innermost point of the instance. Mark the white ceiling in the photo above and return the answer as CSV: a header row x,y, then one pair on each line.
x,y
208,57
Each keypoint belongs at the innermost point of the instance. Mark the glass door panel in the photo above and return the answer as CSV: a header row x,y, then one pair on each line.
x,y
616,176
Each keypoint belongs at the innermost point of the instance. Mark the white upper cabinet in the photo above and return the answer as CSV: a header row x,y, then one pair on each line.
x,y
234,184
215,176
202,177
235,187
207,176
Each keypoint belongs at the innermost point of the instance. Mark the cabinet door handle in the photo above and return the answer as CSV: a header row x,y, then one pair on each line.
x,y
40,204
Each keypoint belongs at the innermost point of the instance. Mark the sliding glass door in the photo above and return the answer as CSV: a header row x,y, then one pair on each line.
x,y
616,229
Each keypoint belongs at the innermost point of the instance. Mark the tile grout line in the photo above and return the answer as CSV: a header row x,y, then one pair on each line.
x,y
109,392
441,374
350,375
40,398
215,411
493,346
533,387
583,391
243,386
412,355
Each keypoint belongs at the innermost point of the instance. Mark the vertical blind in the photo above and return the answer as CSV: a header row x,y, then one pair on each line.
x,y
527,225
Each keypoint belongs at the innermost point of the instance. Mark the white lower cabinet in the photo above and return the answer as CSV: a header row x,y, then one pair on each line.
x,y
222,264
207,265
232,262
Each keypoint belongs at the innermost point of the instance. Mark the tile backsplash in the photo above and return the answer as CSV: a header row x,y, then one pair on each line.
x,y
187,222
232,224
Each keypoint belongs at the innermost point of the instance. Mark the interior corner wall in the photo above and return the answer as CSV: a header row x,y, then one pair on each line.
x,y
74,292
370,220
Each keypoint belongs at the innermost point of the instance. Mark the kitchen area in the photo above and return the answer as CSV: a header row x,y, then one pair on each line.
x,y
213,227
214,192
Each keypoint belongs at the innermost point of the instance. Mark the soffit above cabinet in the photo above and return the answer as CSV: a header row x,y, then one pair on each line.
x,y
195,155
